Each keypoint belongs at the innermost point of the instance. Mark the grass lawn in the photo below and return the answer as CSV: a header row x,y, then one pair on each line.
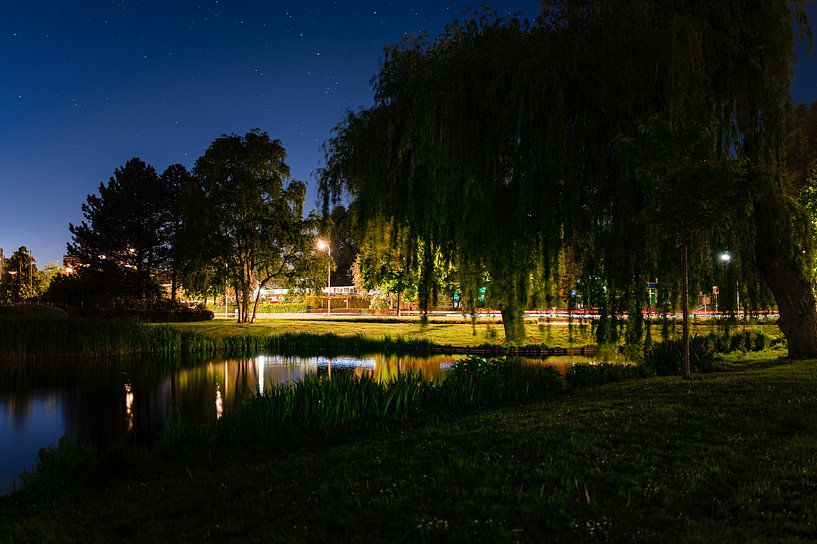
x,y
441,333
455,334
728,457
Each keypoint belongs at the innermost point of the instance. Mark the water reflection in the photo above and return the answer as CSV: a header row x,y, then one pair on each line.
x,y
219,403
129,405
127,400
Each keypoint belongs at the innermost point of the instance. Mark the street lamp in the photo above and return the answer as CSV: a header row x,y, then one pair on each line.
x,y
324,245
725,258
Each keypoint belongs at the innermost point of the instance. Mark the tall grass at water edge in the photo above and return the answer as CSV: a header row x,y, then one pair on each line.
x,y
41,337
321,407
35,337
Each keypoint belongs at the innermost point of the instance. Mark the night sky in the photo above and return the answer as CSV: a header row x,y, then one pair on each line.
x,y
84,86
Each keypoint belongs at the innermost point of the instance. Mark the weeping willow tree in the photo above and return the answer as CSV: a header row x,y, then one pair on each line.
x,y
495,144
448,163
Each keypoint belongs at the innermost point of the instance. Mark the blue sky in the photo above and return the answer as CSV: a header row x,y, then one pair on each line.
x,y
87,85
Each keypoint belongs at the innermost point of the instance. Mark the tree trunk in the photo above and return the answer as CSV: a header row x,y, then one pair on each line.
x,y
685,301
513,320
255,306
779,259
173,284
399,301
257,298
236,290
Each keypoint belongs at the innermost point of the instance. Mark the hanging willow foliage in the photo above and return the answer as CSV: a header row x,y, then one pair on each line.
x,y
494,143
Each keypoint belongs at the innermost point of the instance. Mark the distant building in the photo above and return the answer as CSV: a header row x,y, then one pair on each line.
x,y
343,284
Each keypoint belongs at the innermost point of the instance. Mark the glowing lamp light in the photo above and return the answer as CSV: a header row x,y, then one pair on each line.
x,y
726,257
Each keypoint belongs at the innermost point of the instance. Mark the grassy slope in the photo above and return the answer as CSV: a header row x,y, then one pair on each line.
x,y
729,457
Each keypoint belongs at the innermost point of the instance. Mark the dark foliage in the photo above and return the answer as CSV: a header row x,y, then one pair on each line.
x,y
665,358
583,374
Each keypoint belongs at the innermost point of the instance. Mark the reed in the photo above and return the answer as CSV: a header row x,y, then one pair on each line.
x,y
324,407
479,382
320,408
38,337
25,338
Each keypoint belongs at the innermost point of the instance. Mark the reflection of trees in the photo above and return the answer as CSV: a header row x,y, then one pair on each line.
x,y
97,407
388,366
19,406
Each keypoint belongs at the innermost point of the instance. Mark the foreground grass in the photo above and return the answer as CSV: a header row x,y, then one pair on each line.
x,y
729,457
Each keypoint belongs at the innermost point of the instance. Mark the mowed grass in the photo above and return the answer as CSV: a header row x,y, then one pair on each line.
x,y
727,457
454,334
555,334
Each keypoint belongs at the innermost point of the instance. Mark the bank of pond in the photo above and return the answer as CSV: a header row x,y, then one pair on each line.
x,y
107,384
272,399
26,338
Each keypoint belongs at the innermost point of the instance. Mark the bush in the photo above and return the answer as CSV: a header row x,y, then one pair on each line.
x,y
760,341
738,342
665,359
60,466
167,311
282,308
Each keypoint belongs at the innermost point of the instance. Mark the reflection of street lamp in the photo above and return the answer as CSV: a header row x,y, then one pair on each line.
x,y
324,245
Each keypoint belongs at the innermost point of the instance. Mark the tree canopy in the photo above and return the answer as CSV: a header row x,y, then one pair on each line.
x,y
124,239
245,216
494,143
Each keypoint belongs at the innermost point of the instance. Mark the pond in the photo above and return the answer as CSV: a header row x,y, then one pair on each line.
x,y
126,400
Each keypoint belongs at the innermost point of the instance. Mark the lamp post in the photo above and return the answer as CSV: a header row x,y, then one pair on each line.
x,y
726,258
325,245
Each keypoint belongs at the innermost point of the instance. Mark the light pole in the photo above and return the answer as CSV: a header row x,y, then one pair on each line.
x,y
324,244
725,258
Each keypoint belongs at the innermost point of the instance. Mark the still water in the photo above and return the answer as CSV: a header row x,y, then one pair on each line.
x,y
128,399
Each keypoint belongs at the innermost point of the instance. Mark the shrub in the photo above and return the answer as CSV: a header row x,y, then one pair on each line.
x,y
167,311
60,466
665,359
760,341
738,342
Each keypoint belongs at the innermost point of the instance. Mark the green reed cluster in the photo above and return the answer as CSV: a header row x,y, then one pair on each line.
x,y
321,407
36,337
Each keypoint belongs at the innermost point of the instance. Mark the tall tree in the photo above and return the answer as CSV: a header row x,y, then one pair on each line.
x,y
339,228
125,231
387,263
179,184
21,279
494,143
688,191
246,218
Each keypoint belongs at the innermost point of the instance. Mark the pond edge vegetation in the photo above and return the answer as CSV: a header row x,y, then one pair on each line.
x,y
25,338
